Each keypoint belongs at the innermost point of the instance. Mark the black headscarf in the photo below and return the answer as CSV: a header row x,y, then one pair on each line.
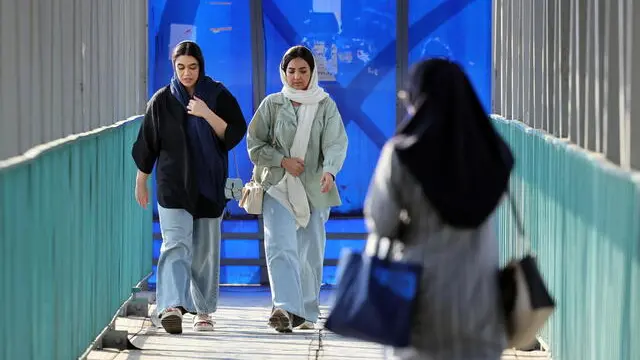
x,y
209,155
451,147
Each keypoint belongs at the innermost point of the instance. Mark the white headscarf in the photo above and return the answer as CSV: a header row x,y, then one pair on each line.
x,y
290,191
313,95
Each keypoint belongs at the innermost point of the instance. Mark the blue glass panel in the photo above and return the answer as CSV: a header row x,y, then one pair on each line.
x,y
244,275
354,42
334,247
355,225
240,226
240,249
230,226
157,244
459,30
156,227
223,31
329,275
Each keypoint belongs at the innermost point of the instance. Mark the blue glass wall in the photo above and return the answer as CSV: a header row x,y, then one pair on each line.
x,y
222,29
456,29
355,46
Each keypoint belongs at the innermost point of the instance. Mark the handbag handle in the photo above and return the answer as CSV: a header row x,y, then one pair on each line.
x,y
522,242
403,224
235,161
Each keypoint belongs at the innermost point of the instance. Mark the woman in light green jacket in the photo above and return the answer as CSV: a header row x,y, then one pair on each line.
x,y
298,143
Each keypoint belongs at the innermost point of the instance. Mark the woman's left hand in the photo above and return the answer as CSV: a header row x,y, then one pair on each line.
x,y
198,107
326,183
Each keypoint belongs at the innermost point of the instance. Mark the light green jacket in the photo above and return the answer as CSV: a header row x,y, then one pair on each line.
x,y
326,151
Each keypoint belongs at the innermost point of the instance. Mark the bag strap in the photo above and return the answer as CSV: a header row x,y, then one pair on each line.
x,y
235,161
522,242
403,224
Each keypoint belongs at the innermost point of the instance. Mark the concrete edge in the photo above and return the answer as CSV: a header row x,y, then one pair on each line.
x,y
111,325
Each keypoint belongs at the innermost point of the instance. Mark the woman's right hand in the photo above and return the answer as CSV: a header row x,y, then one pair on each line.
x,y
142,191
294,166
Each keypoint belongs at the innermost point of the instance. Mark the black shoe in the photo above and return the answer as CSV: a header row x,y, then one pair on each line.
x,y
184,311
297,320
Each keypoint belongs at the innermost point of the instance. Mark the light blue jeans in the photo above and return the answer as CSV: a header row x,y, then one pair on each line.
x,y
189,265
294,258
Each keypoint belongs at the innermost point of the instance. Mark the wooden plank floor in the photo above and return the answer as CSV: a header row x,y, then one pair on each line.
x,y
242,333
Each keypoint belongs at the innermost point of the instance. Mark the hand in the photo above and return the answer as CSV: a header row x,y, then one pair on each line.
x,y
142,193
294,166
198,107
326,183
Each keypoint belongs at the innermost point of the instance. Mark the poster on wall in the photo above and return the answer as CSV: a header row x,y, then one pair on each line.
x,y
178,33
326,60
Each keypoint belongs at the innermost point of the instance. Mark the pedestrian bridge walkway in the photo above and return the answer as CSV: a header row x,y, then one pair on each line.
x,y
241,333
75,245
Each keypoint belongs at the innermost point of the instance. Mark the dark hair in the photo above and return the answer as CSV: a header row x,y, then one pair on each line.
x,y
189,48
295,52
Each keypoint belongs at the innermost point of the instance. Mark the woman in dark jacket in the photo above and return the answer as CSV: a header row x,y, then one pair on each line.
x,y
188,129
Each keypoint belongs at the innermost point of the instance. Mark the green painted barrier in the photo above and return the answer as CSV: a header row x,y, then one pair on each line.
x,y
74,242
582,216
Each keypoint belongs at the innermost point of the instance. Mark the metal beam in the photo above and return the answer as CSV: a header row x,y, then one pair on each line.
x,y
257,52
260,236
262,262
402,52
257,262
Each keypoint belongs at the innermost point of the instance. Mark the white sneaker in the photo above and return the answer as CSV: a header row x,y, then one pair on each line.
x,y
203,322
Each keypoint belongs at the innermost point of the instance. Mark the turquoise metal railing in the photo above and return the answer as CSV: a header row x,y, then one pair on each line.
x,y
74,242
582,215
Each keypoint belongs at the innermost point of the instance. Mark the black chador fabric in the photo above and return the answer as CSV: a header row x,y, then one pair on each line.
x,y
451,147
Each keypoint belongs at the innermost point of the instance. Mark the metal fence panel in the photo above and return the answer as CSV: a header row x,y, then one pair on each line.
x,y
73,242
68,66
580,215
566,66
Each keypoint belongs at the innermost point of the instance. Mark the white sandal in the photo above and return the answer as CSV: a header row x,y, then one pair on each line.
x,y
203,322
307,325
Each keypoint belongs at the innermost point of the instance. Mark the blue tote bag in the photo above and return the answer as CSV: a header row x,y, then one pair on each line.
x,y
375,298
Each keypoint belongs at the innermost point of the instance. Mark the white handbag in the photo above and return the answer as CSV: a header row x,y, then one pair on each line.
x,y
252,197
233,186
